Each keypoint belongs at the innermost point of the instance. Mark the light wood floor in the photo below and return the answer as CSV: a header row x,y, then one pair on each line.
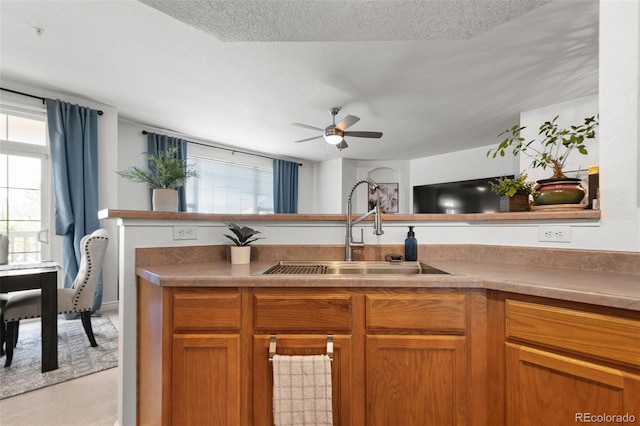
x,y
89,400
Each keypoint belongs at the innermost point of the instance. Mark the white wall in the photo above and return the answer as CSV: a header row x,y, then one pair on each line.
x,y
619,124
306,192
329,183
133,146
461,165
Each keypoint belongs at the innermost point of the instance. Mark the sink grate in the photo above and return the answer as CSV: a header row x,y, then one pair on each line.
x,y
297,269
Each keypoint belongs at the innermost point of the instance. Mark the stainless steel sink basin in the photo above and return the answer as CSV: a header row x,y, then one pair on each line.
x,y
324,267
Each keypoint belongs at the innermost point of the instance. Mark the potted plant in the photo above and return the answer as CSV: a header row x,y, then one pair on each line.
x,y
514,192
164,174
242,237
552,150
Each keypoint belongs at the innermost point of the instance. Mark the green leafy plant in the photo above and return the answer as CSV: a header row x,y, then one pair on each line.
x,y
242,234
165,170
553,149
512,186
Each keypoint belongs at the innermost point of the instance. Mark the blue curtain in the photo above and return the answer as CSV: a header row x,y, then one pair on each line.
x,y
161,143
285,186
73,134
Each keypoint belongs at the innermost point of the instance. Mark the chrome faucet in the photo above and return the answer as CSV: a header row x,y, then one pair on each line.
x,y
350,245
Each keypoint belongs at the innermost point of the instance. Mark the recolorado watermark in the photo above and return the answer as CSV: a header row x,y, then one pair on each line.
x,y
604,418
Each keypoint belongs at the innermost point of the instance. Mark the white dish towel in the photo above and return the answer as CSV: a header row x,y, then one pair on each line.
x,y
302,390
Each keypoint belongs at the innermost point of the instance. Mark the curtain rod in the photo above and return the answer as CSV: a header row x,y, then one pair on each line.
x,y
144,132
32,96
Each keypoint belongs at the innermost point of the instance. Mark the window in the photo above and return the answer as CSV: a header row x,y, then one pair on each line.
x,y
24,192
226,187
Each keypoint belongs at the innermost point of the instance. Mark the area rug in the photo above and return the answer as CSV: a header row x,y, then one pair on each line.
x,y
76,357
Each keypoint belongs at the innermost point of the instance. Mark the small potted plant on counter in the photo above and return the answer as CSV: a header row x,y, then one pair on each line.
x,y
242,237
514,193
552,150
164,175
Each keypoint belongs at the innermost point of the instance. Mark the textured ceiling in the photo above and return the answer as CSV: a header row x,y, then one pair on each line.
x,y
332,20
428,96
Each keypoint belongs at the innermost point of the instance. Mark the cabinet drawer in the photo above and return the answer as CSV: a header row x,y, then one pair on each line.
x,y
199,311
436,312
325,313
602,336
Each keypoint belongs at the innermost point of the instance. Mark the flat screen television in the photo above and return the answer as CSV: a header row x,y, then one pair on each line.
x,y
468,196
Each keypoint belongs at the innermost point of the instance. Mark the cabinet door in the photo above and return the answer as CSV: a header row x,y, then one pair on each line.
x,y
341,373
551,389
416,380
206,379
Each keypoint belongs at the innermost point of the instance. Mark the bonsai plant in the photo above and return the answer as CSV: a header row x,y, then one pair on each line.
x,y
514,192
164,174
242,237
553,149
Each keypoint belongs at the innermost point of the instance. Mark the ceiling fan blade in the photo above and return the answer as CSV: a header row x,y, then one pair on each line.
x,y
306,126
342,145
309,139
364,134
347,122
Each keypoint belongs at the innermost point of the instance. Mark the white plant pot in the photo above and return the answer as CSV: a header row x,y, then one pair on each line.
x,y
240,255
165,200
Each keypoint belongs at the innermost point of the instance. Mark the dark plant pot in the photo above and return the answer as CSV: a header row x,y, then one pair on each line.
x,y
517,203
559,191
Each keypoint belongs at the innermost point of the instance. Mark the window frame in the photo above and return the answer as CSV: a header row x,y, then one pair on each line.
x,y
42,152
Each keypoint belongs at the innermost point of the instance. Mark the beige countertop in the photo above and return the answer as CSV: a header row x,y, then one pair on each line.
x,y
604,288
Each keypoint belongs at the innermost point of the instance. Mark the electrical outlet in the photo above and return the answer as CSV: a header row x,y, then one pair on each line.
x,y
185,232
555,234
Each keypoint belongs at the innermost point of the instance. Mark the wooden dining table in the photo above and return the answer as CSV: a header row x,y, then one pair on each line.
x,y
41,276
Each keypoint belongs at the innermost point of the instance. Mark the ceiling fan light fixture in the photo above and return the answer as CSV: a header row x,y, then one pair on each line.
x,y
332,135
333,139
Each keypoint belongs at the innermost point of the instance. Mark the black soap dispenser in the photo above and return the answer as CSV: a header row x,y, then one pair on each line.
x,y
411,246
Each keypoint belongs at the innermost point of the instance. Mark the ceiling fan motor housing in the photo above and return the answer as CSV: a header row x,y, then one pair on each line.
x,y
332,133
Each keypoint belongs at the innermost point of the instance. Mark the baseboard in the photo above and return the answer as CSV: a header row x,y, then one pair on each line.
x,y
109,306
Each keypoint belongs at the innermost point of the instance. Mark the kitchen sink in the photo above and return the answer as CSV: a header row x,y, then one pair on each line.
x,y
325,267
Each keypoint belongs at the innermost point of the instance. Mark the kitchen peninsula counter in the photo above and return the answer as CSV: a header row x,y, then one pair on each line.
x,y
497,308
597,287
147,249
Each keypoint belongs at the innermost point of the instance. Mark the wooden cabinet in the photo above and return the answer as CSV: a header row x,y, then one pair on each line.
x,y
301,321
417,352
205,379
419,379
565,363
400,356
189,363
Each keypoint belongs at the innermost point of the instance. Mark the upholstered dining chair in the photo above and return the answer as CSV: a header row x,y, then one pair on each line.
x,y
4,297
77,299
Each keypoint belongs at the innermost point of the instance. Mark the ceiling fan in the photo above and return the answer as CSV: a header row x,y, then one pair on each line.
x,y
334,134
